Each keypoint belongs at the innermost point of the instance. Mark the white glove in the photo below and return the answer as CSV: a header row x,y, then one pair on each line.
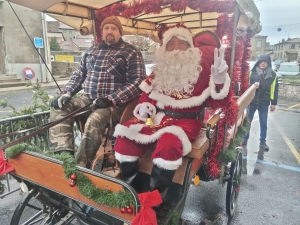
x,y
63,99
145,110
219,68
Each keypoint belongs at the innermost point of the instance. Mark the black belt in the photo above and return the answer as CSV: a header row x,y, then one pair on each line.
x,y
180,115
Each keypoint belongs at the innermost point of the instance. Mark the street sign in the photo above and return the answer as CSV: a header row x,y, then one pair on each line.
x,y
38,42
28,73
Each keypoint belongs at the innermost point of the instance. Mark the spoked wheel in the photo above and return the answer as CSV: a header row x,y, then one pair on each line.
x,y
31,211
233,185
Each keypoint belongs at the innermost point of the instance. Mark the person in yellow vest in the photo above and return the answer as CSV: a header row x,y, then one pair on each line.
x,y
266,80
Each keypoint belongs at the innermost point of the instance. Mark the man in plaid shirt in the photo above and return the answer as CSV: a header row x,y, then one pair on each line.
x,y
109,74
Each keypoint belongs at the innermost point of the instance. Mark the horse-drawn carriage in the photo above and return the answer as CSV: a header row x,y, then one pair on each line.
x,y
57,191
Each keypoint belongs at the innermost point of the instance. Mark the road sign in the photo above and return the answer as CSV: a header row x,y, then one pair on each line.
x,y
38,42
28,73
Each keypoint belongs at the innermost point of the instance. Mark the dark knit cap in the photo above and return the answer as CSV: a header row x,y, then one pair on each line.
x,y
113,20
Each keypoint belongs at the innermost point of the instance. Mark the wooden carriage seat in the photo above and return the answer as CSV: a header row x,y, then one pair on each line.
x,y
199,146
243,101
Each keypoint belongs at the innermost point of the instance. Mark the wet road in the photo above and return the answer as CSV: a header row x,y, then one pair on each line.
x,y
270,185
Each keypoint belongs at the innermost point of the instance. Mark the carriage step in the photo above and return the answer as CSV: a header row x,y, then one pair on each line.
x,y
67,219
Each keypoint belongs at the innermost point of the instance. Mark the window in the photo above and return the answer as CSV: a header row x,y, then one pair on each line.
x,y
258,44
70,32
281,47
257,53
281,54
275,55
292,46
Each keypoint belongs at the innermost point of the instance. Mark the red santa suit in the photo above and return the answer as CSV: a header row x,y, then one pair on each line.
x,y
173,134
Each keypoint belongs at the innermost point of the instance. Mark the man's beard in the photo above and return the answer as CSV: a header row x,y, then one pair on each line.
x,y
176,71
110,40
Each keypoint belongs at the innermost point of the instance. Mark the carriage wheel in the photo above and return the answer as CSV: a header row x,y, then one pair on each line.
x,y
233,185
32,211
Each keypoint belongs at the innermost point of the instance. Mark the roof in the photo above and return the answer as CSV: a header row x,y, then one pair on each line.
x,y
292,40
65,27
55,34
83,42
67,46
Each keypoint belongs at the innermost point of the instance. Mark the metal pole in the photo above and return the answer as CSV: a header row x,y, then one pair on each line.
x,y
40,65
94,26
233,45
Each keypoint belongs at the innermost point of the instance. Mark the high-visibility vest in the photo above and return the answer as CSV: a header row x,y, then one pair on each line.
x,y
272,87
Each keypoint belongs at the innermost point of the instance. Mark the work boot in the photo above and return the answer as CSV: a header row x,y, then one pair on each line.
x,y
129,170
264,146
161,179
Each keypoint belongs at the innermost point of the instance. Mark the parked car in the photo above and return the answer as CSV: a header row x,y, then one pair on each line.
x,y
289,69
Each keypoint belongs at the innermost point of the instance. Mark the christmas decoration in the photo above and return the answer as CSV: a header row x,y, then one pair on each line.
x,y
157,6
73,176
72,183
129,210
85,186
146,214
4,165
123,210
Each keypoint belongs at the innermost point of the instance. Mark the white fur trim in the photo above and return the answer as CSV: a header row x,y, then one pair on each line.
x,y
224,91
182,103
167,164
181,33
160,105
137,109
132,133
145,87
125,158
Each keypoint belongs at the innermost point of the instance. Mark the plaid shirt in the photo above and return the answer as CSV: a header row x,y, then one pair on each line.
x,y
113,72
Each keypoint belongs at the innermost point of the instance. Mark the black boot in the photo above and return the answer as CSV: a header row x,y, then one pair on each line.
x,y
129,170
161,179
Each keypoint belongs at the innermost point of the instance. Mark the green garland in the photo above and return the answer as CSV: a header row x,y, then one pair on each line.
x,y
86,187
230,154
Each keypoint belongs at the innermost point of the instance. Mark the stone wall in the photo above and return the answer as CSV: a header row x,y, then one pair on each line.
x,y
64,68
289,90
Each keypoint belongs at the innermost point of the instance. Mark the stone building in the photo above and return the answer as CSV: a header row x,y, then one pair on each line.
x,y
16,49
287,50
258,45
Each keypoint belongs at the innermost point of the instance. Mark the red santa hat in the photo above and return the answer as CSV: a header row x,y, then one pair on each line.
x,y
165,33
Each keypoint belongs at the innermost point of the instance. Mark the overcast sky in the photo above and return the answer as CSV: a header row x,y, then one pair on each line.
x,y
279,13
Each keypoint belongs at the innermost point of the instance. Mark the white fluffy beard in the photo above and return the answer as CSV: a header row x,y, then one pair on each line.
x,y
176,71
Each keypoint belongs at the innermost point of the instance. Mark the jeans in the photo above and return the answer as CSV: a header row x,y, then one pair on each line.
x,y
263,117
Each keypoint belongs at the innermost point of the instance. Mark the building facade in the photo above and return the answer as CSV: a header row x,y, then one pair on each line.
x,y
258,45
287,50
16,49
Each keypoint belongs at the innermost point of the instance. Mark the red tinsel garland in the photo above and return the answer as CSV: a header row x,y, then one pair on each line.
x,y
156,7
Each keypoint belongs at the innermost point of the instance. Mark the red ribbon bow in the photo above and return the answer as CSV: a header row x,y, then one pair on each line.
x,y
146,215
4,165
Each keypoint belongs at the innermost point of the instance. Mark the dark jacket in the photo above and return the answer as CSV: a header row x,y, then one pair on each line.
x,y
262,94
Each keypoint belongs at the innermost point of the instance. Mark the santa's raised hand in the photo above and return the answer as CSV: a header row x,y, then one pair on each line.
x,y
219,68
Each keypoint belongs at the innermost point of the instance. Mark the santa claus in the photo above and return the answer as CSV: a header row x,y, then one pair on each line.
x,y
185,78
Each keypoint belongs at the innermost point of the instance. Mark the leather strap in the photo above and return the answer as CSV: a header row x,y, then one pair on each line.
x,y
180,115
47,126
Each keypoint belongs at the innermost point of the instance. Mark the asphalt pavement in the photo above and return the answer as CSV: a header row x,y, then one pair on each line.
x,y
270,185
